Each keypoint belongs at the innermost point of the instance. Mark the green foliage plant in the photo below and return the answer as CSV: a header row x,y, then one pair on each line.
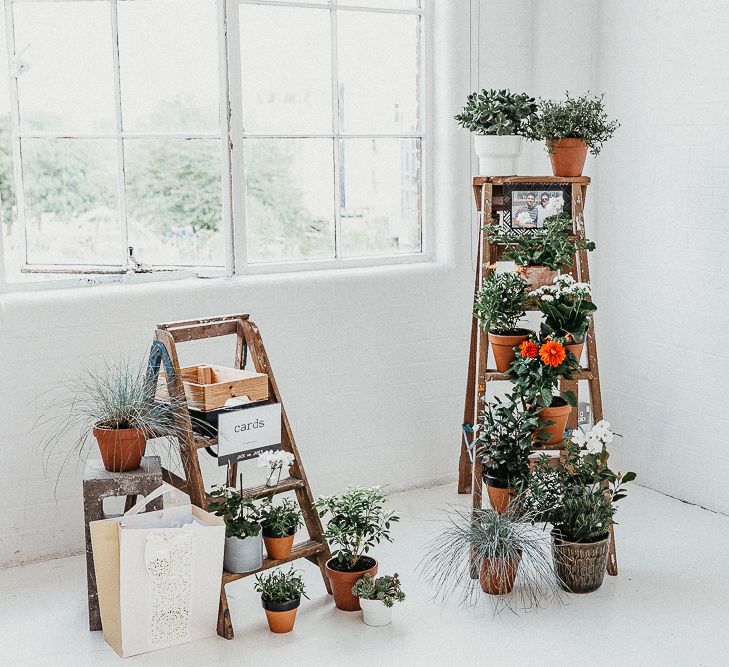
x,y
282,519
386,589
498,112
277,586
242,514
567,308
501,302
357,522
581,117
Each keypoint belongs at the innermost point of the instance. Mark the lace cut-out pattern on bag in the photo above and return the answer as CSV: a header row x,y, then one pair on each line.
x,y
169,564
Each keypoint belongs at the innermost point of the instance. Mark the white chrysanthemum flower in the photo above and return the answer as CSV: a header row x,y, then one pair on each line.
x,y
547,297
578,437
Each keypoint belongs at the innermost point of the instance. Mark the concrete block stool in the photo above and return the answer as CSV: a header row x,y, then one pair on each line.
x,y
99,483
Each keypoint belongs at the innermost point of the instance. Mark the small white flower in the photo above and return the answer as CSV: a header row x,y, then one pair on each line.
x,y
547,297
578,437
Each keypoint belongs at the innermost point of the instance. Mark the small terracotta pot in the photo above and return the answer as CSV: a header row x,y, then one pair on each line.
x,y
537,276
567,156
557,414
498,574
278,547
342,583
576,349
281,616
503,347
580,566
499,492
121,449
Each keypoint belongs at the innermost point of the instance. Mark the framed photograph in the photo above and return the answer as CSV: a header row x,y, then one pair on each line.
x,y
528,205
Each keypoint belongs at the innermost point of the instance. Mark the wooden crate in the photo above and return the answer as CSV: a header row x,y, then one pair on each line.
x,y
209,387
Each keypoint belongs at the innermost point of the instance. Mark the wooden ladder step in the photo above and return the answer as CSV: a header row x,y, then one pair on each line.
x,y
303,550
288,484
492,374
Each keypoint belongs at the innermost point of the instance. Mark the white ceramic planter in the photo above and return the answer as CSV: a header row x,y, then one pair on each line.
x,y
498,155
244,555
375,613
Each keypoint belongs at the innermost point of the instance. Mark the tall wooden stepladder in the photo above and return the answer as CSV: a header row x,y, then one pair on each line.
x,y
249,348
488,192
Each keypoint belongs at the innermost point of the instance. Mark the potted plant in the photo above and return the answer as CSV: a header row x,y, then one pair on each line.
x,y
377,597
536,372
275,462
498,119
568,310
281,594
357,522
543,252
578,498
480,550
499,306
242,515
506,431
570,127
279,524
117,406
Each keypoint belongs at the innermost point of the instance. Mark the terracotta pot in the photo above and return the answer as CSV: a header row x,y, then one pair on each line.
x,y
121,449
278,547
500,493
580,566
342,583
557,414
498,574
281,616
537,276
576,349
503,347
567,156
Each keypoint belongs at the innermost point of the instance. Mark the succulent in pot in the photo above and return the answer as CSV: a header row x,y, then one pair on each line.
x,y
281,594
242,515
377,597
117,406
357,522
568,310
570,127
480,550
279,523
505,434
578,498
498,119
542,253
536,373
499,306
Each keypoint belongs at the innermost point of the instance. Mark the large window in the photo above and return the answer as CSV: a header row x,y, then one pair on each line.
x,y
161,134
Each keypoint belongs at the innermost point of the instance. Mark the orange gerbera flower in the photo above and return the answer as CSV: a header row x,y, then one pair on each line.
x,y
529,349
552,353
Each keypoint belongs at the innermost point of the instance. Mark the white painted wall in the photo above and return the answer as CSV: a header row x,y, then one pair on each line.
x,y
371,362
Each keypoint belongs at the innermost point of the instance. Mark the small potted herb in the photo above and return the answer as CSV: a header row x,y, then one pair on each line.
x,y
540,254
568,309
281,594
376,597
536,372
578,498
570,127
242,515
279,523
498,119
499,306
357,522
504,442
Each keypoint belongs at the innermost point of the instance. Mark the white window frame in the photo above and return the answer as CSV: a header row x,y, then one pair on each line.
x,y
232,163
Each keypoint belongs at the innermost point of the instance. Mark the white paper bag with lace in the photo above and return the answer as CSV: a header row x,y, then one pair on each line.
x,y
159,575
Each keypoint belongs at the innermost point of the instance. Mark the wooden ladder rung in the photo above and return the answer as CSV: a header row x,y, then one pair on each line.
x,y
302,550
583,374
288,484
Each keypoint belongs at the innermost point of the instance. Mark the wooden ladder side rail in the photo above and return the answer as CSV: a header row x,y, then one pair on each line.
x,y
249,346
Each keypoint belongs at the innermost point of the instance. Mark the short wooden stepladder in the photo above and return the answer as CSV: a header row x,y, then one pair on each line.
x,y
249,348
489,195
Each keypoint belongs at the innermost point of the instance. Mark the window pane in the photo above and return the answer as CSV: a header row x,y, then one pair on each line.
x,y
168,61
69,83
381,198
71,201
174,201
378,72
289,199
286,69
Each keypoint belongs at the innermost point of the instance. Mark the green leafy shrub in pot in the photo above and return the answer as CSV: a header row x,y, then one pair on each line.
x,y
281,594
280,522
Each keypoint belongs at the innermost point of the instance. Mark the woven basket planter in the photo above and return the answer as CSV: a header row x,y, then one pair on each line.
x,y
580,567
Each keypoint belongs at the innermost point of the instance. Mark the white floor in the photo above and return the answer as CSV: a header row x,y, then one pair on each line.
x,y
669,606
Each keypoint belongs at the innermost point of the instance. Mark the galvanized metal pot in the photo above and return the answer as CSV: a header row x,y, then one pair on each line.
x,y
243,555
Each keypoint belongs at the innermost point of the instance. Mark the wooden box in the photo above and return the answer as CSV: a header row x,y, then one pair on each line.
x,y
209,387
